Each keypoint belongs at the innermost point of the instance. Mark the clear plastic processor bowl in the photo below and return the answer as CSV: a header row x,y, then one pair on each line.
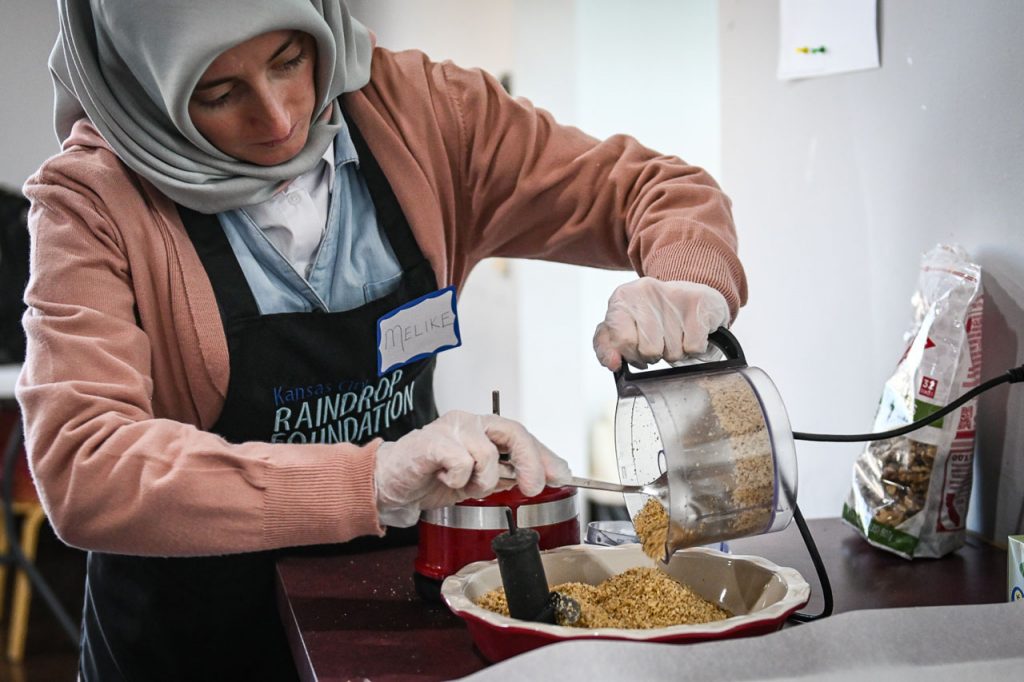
x,y
759,593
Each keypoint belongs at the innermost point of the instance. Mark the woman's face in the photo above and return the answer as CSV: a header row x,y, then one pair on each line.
x,y
255,101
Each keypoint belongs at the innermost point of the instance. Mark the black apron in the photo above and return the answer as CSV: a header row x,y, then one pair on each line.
x,y
298,377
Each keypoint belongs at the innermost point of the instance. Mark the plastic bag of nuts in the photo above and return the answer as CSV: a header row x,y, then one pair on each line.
x,y
910,494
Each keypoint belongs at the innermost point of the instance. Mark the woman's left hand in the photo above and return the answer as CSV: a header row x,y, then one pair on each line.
x,y
456,457
649,320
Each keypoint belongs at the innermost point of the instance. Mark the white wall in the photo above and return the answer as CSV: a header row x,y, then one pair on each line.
x,y
469,32
27,33
840,183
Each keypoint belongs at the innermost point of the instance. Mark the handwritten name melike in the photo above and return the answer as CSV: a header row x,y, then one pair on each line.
x,y
397,335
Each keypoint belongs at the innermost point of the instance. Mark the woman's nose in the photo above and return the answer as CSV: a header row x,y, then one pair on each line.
x,y
271,113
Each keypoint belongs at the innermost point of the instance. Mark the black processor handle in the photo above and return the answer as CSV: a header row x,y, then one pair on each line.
x,y
728,344
721,338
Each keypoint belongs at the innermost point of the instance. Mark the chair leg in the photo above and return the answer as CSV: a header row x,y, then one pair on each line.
x,y
23,586
3,568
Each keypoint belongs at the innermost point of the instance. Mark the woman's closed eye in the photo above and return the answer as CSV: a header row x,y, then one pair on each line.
x,y
293,62
216,102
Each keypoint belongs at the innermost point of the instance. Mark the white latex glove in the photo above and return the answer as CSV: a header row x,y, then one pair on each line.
x,y
455,458
649,320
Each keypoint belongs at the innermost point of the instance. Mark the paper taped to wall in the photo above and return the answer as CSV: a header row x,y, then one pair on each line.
x,y
823,37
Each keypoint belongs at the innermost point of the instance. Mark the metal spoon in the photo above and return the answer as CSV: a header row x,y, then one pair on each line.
x,y
657,488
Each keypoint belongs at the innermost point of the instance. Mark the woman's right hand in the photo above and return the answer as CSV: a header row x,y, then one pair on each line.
x,y
649,320
455,458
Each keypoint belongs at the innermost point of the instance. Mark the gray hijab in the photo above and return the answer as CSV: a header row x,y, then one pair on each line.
x,y
130,66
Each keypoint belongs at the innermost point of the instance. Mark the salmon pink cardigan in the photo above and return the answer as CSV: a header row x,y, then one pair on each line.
x,y
127,364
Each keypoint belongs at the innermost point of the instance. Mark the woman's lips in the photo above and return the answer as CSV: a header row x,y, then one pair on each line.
x,y
281,140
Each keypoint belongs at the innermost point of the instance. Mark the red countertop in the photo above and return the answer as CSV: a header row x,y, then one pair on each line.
x,y
353,616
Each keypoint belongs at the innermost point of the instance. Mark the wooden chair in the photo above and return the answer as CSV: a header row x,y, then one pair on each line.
x,y
32,516
25,506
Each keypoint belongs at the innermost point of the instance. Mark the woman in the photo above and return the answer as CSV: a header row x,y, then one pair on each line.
x,y
243,193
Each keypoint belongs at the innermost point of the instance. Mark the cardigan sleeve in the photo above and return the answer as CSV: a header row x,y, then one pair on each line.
x,y
112,475
536,189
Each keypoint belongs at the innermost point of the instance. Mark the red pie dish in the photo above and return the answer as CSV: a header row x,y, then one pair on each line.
x,y
759,594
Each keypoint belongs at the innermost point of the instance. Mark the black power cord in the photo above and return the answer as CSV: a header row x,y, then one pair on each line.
x,y
819,568
1010,377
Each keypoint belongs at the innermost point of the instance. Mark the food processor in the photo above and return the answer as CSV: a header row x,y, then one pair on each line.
x,y
712,442
716,438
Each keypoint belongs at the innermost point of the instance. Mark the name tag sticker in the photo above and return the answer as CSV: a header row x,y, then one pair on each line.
x,y
422,327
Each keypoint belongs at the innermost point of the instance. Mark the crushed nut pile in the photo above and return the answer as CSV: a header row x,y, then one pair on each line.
x,y
753,477
640,598
651,526
749,482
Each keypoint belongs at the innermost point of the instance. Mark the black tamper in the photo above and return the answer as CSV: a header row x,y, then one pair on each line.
x,y
524,581
522,573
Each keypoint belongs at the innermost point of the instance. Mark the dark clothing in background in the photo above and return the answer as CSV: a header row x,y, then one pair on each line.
x,y
13,274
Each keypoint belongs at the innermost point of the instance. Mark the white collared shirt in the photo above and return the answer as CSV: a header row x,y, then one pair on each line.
x,y
323,250
295,219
